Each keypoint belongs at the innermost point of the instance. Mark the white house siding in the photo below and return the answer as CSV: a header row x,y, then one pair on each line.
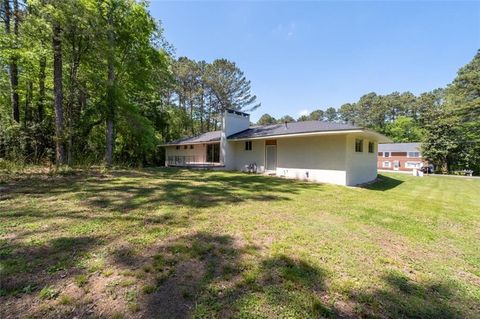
x,y
255,156
361,167
231,123
199,151
315,158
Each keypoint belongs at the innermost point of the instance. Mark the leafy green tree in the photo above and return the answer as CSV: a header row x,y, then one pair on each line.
x,y
317,115
404,129
427,102
452,139
303,118
462,101
266,119
96,73
331,114
348,113
440,143
286,118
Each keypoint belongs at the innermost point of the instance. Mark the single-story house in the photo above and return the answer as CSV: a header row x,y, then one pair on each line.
x,y
400,157
318,151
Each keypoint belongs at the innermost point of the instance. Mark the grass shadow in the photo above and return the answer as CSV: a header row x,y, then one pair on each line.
x,y
174,187
404,298
207,275
27,268
383,183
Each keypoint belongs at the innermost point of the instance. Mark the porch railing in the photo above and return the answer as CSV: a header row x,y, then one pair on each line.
x,y
181,160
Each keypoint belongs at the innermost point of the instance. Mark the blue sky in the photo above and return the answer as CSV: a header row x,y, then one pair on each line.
x,y
302,56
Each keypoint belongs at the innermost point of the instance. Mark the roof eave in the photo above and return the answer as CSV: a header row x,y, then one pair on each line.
x,y
380,137
333,132
190,143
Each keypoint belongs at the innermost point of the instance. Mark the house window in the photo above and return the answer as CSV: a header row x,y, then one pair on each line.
x,y
386,164
371,147
413,154
191,147
413,164
386,154
358,145
248,145
177,147
185,147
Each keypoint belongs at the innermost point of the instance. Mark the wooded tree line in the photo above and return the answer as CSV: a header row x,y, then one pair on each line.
x,y
446,121
87,81
92,81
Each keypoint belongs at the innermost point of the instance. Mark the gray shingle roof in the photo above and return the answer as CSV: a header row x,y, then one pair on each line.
x,y
269,130
203,138
399,147
292,128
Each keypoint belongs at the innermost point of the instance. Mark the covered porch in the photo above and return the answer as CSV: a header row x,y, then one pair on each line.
x,y
193,155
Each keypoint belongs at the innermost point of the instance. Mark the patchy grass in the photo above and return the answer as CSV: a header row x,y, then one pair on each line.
x,y
48,293
202,244
81,280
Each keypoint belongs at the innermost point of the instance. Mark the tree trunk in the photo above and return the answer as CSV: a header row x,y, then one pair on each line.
x,y
13,68
27,118
41,89
202,108
209,114
14,90
109,142
71,109
191,118
58,92
28,104
110,116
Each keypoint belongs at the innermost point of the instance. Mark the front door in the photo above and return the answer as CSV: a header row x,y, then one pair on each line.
x,y
396,165
271,157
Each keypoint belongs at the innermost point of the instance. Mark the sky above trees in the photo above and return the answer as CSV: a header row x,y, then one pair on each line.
x,y
306,56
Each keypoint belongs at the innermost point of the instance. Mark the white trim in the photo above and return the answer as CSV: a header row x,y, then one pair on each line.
x,y
387,166
389,154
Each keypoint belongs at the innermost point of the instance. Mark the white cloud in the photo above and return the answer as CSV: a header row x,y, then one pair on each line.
x,y
304,112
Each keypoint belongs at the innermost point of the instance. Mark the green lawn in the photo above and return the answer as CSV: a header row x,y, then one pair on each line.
x,y
177,243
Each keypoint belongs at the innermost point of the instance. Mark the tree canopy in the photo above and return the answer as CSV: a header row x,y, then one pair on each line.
x,y
84,81
89,82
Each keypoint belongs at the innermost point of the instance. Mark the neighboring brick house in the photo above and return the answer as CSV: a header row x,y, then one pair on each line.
x,y
399,156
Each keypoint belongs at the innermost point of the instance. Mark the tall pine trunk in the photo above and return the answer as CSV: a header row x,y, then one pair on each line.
x,y
58,92
192,124
28,104
71,105
110,116
12,67
41,89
